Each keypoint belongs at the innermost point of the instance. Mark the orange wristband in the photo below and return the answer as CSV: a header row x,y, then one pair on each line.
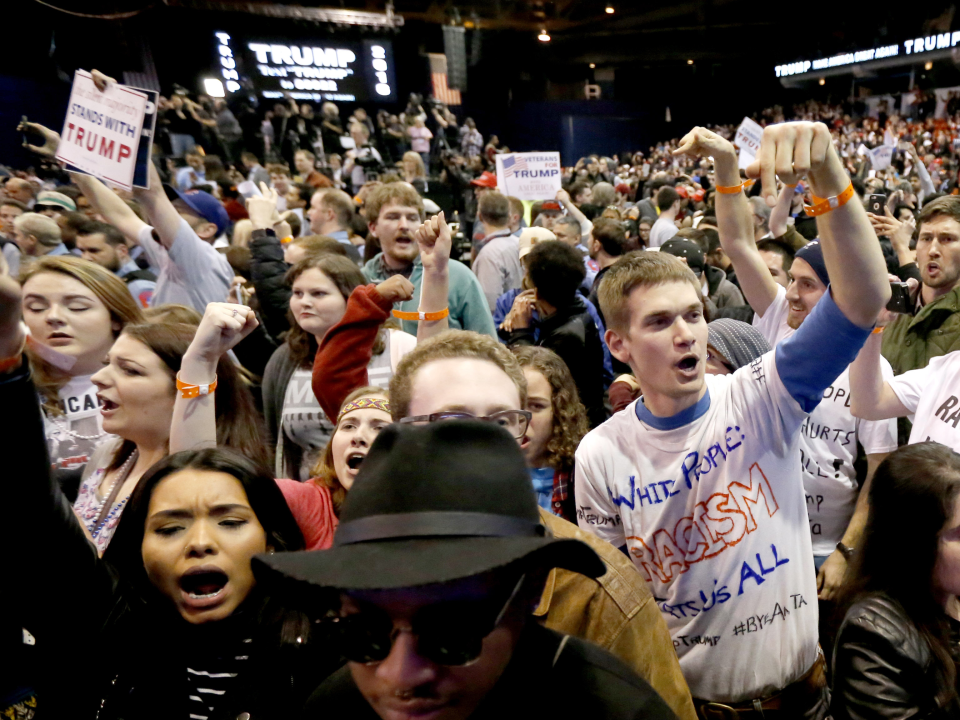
x,y
188,391
401,315
732,189
822,206
878,330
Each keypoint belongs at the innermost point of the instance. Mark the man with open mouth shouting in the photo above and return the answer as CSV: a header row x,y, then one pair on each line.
x,y
394,212
699,481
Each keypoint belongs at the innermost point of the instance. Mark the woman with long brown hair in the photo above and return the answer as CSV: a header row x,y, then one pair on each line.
x,y
298,427
136,389
75,309
897,649
557,425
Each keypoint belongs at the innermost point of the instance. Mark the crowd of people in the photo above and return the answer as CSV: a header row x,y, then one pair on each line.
x,y
294,434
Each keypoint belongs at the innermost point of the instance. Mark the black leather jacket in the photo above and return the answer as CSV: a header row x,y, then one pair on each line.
x,y
883,667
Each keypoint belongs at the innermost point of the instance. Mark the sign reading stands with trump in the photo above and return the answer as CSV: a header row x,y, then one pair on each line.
x,y
529,176
101,132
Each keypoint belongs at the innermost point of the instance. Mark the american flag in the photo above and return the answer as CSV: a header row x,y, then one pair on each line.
x,y
438,75
513,165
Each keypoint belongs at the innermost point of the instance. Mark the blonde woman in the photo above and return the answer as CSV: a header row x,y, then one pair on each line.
x,y
75,309
414,171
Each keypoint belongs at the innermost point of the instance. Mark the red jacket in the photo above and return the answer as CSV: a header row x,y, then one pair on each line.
x,y
340,365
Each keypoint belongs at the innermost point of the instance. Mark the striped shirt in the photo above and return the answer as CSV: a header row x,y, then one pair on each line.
x,y
208,687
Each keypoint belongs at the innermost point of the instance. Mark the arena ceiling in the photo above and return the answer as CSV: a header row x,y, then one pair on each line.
x,y
640,32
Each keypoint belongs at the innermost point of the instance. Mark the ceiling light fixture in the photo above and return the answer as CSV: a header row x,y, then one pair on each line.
x,y
822,81
928,66
592,65
610,10
689,62
543,36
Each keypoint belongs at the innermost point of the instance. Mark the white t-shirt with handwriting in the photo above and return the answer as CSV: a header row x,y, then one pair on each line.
x,y
932,394
828,442
711,509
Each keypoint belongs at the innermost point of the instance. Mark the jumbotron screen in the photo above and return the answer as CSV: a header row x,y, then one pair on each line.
x,y
318,70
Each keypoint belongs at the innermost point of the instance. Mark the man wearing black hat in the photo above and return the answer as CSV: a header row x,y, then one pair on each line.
x,y
440,559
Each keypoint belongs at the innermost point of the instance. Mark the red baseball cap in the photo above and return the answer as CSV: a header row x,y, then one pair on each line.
x,y
487,179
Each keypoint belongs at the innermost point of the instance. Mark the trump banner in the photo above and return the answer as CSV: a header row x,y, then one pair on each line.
x,y
748,139
529,176
102,130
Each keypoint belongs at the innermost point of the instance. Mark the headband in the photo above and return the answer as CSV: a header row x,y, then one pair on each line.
x,y
364,404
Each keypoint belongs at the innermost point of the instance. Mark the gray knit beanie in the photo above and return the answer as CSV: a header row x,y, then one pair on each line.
x,y
740,343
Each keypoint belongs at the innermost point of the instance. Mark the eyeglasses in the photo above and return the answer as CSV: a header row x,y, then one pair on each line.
x,y
449,634
514,422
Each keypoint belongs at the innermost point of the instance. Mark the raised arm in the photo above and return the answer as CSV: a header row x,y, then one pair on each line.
x,y
223,326
734,218
163,215
340,365
926,183
106,202
435,242
858,274
871,397
898,232
563,197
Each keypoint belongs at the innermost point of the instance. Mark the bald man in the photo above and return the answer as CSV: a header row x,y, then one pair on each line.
x,y
38,235
20,190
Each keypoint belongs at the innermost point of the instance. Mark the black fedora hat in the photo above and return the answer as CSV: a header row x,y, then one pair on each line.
x,y
433,504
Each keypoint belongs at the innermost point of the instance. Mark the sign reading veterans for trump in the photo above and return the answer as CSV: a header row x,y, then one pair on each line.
x,y
529,176
101,133
748,139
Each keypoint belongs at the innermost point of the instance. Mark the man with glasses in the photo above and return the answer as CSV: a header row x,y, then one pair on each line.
x,y
467,374
437,586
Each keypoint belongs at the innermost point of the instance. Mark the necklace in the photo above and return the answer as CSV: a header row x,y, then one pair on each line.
x,y
94,532
122,472
64,427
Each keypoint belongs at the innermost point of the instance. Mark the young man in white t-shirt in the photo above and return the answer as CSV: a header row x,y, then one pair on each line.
x,y
699,480
831,436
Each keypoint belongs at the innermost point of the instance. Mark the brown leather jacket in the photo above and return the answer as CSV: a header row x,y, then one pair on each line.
x,y
617,612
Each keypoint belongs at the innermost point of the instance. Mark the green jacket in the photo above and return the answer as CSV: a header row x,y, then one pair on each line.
x,y
468,305
910,341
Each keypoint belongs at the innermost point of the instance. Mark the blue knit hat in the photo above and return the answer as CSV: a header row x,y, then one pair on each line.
x,y
812,254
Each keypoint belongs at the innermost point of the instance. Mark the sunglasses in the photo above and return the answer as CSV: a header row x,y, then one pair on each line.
x,y
450,634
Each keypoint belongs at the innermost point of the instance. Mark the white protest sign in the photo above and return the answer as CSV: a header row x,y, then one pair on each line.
x,y
529,176
748,140
101,132
881,156
862,150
